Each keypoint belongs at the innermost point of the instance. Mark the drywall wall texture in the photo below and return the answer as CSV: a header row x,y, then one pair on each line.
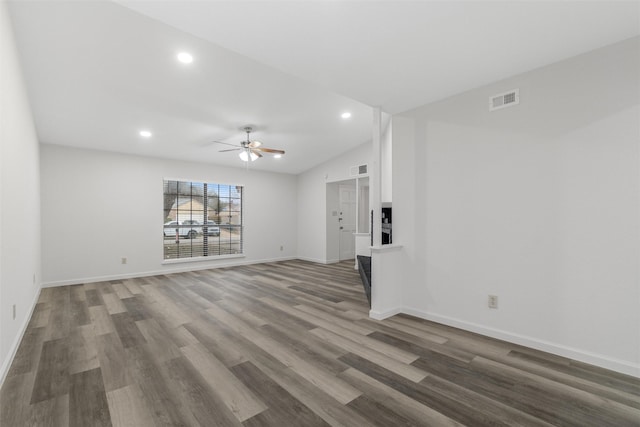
x,y
537,204
312,200
386,165
100,207
19,199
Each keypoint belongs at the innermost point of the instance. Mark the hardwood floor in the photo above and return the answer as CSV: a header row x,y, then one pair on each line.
x,y
282,344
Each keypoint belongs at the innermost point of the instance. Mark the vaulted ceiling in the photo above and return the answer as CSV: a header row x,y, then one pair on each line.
x,y
99,72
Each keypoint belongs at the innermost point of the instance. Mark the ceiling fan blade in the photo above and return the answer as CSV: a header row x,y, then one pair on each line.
x,y
255,144
225,143
256,152
230,149
269,150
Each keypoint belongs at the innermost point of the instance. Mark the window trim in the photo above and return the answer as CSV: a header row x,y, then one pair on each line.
x,y
166,261
201,258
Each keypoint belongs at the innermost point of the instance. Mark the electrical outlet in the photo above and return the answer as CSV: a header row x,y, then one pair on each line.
x,y
14,312
34,278
493,301
124,260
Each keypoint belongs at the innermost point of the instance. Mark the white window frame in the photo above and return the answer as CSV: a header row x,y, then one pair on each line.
x,y
185,247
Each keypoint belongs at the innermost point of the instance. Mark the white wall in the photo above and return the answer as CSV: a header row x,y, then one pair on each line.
x,y
537,203
312,187
19,199
99,207
386,164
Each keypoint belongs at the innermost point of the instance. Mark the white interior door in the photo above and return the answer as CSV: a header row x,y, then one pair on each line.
x,y
347,221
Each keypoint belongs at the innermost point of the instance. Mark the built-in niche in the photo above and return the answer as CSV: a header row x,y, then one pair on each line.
x,y
387,236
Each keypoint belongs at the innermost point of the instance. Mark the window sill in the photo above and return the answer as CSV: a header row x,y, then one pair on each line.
x,y
201,258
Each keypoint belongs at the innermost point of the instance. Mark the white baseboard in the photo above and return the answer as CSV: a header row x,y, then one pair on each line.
x,y
381,315
4,370
170,268
617,365
317,260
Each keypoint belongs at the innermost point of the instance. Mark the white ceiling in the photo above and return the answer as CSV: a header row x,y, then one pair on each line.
x,y
100,71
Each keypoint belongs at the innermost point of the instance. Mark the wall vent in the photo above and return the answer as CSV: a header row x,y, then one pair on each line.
x,y
358,170
503,100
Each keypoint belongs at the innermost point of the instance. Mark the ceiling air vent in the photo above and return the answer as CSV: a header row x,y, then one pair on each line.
x,y
358,170
503,100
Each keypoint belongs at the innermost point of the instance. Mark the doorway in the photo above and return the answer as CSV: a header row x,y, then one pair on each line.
x,y
347,220
342,214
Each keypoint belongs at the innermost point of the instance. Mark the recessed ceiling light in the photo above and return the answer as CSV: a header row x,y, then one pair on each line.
x,y
277,156
346,115
185,58
145,134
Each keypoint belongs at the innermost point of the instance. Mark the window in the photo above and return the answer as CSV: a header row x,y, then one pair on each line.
x,y
201,219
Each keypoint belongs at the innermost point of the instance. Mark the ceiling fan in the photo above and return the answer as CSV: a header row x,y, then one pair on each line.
x,y
251,150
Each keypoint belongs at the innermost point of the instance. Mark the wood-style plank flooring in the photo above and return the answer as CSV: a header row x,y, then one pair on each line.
x,y
282,344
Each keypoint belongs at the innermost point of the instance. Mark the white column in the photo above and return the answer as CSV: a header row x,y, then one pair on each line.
x,y
375,189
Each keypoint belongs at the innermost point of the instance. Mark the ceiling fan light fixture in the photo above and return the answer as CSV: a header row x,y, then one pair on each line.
x,y
246,155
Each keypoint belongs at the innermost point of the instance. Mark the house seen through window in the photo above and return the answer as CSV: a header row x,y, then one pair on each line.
x,y
201,219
